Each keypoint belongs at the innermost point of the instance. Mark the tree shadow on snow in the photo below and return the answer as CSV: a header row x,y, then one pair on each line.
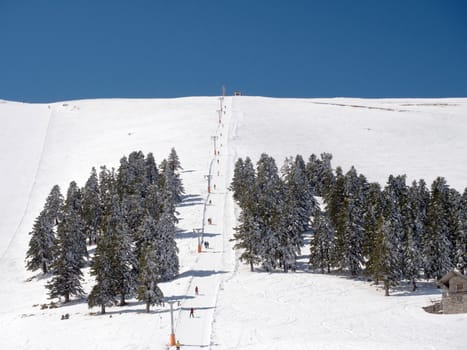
x,y
196,308
405,289
199,273
178,298
183,234
191,199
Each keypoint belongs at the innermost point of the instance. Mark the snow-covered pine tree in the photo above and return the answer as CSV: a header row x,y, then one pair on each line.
x,y
298,206
461,242
54,205
243,182
145,234
247,234
173,161
74,209
371,212
384,264
171,181
122,253
92,209
319,173
270,201
396,216
124,178
148,277
436,244
132,175
166,247
152,173
237,185
41,245
335,209
247,238
353,220
107,187
68,261
103,292
322,244
300,191
153,202
418,199
454,222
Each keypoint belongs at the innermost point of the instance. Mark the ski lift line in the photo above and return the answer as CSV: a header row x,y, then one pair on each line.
x,y
28,203
206,201
190,283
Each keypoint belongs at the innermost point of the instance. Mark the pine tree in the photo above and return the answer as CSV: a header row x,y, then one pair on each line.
x,y
92,209
243,182
171,181
173,161
395,215
54,206
237,185
345,207
166,248
319,173
123,256
335,209
300,192
418,198
74,209
247,234
41,244
436,244
247,238
270,192
322,244
353,214
454,222
66,268
461,241
104,291
152,173
384,264
371,212
148,277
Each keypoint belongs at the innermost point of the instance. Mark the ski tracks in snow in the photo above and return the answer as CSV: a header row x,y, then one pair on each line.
x,y
33,183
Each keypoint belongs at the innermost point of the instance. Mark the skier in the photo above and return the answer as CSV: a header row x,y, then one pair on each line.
x,y
196,290
192,312
177,344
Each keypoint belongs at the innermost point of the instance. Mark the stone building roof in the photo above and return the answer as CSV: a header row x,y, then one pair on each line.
x,y
444,281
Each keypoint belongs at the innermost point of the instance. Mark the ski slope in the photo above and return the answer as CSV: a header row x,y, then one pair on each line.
x,y
43,145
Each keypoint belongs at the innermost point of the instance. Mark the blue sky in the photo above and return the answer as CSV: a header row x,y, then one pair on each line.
x,y
54,50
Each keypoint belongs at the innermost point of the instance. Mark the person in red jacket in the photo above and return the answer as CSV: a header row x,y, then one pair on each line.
x,y
196,290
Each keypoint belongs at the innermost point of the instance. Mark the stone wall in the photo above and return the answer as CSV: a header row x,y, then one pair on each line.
x,y
454,303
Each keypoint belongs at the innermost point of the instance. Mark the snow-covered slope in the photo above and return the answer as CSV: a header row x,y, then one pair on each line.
x,y
43,145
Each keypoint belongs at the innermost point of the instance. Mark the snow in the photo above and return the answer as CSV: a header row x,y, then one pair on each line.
x,y
46,144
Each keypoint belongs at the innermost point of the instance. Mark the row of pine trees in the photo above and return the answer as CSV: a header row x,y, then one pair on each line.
x,y
399,232
129,215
